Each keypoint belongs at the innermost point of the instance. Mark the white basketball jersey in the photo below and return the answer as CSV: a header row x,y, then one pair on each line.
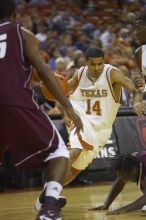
x,y
96,101
143,59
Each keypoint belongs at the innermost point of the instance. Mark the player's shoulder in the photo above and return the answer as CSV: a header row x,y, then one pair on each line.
x,y
111,69
81,71
26,31
28,35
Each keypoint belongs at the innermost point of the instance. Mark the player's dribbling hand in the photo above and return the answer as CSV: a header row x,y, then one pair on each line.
x,y
139,83
77,123
99,208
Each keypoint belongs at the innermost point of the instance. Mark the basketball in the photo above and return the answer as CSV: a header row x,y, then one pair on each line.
x,y
63,84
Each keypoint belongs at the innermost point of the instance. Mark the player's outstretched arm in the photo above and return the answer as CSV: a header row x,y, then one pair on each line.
x,y
136,205
46,75
119,79
116,189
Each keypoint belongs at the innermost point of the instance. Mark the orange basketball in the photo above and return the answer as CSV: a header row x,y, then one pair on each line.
x,y
62,82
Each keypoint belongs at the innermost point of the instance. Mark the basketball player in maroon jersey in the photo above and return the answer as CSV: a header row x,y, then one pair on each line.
x,y
25,131
128,168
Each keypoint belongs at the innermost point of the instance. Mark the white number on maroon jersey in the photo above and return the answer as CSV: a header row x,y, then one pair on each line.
x,y
3,45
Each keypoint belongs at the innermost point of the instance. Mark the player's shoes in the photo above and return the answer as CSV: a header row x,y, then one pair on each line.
x,y
143,210
41,200
50,210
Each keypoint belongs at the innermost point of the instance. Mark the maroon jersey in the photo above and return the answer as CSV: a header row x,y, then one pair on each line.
x,y
15,70
25,131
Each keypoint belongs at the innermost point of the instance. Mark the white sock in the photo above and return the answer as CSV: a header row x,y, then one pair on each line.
x,y
53,189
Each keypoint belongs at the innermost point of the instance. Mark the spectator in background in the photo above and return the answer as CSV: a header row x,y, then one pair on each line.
x,y
41,35
61,70
60,66
79,62
69,55
107,37
54,54
82,42
66,43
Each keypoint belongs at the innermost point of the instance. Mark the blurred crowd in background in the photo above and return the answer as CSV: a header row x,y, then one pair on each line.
x,y
65,29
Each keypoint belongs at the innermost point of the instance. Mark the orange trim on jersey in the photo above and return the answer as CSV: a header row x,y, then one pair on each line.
x,y
84,144
78,81
74,170
111,88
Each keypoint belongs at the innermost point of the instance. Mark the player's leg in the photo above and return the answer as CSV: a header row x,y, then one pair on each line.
x,y
80,163
71,172
53,189
81,152
41,145
55,173
70,175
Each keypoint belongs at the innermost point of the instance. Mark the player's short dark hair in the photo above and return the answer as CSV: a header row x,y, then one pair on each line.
x,y
124,162
94,52
142,18
7,8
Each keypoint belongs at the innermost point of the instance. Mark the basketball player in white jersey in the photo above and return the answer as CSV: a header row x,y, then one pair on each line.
x,y
95,93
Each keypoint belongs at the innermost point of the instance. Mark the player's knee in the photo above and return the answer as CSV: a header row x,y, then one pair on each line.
x,y
63,152
59,152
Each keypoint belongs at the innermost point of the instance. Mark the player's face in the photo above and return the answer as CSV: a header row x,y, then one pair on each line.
x,y
95,66
140,32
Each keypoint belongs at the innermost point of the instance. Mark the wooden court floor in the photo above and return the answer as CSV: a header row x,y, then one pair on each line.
x,y
18,205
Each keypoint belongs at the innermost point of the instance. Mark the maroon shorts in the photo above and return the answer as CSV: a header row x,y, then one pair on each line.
x,y
27,134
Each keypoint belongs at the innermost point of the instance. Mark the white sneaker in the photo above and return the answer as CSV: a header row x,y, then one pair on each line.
x,y
143,210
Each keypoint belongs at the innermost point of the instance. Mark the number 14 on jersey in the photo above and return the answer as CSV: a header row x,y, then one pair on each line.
x,y
95,107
